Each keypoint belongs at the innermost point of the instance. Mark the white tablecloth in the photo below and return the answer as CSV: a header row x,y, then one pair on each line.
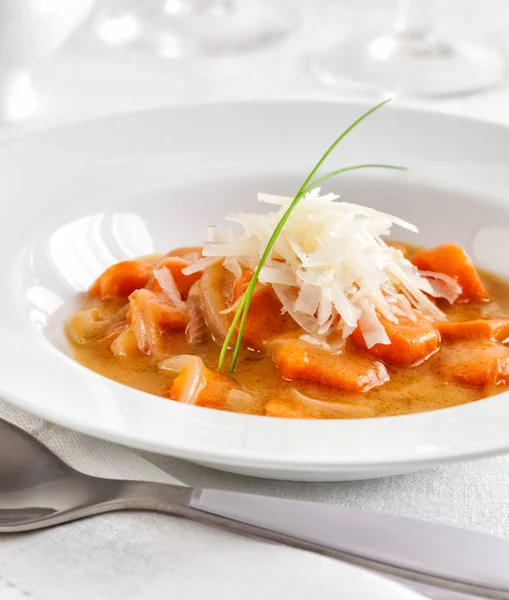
x,y
86,79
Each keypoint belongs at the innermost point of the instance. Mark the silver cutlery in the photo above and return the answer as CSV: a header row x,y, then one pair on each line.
x,y
39,490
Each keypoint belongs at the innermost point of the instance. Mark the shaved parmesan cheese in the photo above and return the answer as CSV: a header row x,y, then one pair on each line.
x,y
200,265
214,235
272,199
442,286
288,296
277,275
325,306
308,299
232,265
372,330
403,308
330,267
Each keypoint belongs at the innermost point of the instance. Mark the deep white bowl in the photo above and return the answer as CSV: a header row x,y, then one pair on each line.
x,y
77,199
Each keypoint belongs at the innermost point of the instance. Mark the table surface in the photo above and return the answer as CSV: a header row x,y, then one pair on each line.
x,y
86,79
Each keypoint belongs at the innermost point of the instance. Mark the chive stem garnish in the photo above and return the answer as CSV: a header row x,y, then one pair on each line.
x,y
350,168
242,310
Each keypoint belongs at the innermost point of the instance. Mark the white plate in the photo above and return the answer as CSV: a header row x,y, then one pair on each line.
x,y
77,199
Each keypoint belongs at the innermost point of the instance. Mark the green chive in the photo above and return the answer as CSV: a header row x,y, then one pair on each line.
x,y
243,308
350,168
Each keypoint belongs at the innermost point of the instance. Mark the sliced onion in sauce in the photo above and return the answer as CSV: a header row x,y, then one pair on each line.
x,y
196,331
125,343
234,306
166,280
94,323
239,401
214,303
196,380
336,409
175,364
139,327
314,341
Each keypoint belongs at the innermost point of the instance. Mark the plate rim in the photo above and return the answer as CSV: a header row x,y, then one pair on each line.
x,y
296,461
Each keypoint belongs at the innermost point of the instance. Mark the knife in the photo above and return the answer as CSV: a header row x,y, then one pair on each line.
x,y
426,555
38,490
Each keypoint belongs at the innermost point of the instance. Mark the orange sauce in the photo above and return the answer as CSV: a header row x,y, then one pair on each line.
x,y
410,390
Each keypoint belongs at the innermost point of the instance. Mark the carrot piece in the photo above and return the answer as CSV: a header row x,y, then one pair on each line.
x,y
120,280
349,372
264,319
175,265
474,363
452,260
188,381
190,253
403,249
215,392
212,387
480,329
153,317
411,341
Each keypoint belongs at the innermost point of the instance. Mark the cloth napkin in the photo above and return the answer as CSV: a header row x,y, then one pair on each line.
x,y
128,556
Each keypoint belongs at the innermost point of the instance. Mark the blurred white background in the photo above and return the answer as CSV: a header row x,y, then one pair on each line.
x,y
86,78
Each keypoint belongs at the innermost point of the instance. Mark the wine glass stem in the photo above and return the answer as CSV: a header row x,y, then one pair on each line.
x,y
414,20
201,5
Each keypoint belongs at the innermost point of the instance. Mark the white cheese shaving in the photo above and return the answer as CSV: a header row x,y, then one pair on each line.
x,y
232,265
329,266
442,286
214,235
200,265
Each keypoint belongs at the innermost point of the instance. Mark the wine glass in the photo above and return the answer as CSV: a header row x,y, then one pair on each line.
x,y
412,60
177,28
29,33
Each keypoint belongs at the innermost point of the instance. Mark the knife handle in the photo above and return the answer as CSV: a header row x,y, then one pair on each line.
x,y
363,539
